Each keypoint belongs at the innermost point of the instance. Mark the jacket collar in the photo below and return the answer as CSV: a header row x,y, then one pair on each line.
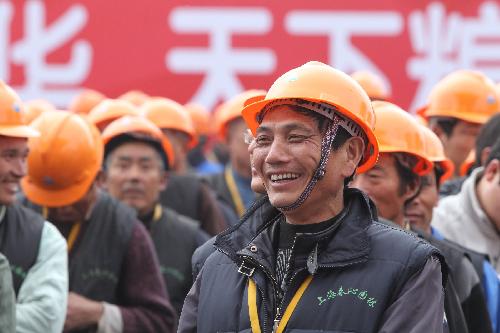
x,y
345,242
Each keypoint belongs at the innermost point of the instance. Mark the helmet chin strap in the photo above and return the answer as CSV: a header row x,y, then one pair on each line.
x,y
319,173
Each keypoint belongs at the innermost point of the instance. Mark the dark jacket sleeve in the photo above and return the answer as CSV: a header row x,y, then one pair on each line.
x,y
143,298
473,300
200,256
419,307
7,298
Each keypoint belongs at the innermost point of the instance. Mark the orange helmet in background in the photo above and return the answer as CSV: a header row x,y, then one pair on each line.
x,y
64,161
35,108
316,82
231,109
136,126
201,119
398,132
168,114
86,101
466,95
135,97
435,153
109,110
372,84
12,114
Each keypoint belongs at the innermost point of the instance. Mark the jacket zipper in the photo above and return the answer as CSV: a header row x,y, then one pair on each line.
x,y
274,285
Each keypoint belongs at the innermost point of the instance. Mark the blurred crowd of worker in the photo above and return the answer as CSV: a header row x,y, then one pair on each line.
x,y
104,205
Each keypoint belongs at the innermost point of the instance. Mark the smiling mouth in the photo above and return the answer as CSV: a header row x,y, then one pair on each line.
x,y
280,177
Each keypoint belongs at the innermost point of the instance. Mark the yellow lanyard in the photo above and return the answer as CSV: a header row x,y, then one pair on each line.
x,y
157,212
233,190
254,314
73,233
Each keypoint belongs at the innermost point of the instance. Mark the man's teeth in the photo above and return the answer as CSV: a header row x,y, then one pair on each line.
x,y
284,176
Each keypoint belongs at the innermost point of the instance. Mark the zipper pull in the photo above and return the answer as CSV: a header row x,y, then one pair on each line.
x,y
276,320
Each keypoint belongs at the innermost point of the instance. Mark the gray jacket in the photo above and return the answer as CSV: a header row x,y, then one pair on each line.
x,y
7,299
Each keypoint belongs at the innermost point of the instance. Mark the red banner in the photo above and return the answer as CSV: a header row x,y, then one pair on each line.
x,y
207,52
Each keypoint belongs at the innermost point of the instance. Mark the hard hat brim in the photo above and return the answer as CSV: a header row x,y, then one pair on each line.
x,y
19,131
55,198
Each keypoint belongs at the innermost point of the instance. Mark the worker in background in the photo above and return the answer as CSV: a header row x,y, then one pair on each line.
x,y
115,282
135,171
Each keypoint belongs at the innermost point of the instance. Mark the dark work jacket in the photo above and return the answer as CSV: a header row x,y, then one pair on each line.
x,y
189,196
20,235
359,267
218,183
474,309
176,237
96,259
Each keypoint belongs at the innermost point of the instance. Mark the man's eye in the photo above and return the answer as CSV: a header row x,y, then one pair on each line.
x,y
296,138
262,140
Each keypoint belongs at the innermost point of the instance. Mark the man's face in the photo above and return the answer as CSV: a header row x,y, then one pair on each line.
x,y
13,154
238,149
382,184
286,154
461,141
135,176
419,211
74,213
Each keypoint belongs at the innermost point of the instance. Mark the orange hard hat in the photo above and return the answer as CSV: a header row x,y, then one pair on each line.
x,y
398,132
139,125
168,114
109,110
201,118
320,83
86,101
12,114
64,161
135,97
231,109
466,95
372,84
35,108
468,163
435,153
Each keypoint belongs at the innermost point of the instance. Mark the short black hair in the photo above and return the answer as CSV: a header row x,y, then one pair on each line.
x,y
121,139
406,176
489,133
447,124
495,151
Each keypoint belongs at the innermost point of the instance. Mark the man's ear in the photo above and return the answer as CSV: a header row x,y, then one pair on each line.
x,y
491,170
413,188
100,179
354,149
485,153
438,131
163,180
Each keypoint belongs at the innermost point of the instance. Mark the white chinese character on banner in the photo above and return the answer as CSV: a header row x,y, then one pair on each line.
x,y
38,42
6,13
446,43
340,27
220,62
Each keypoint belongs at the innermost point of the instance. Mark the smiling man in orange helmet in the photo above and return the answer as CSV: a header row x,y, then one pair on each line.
x,y
115,283
35,249
458,105
309,255
137,159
